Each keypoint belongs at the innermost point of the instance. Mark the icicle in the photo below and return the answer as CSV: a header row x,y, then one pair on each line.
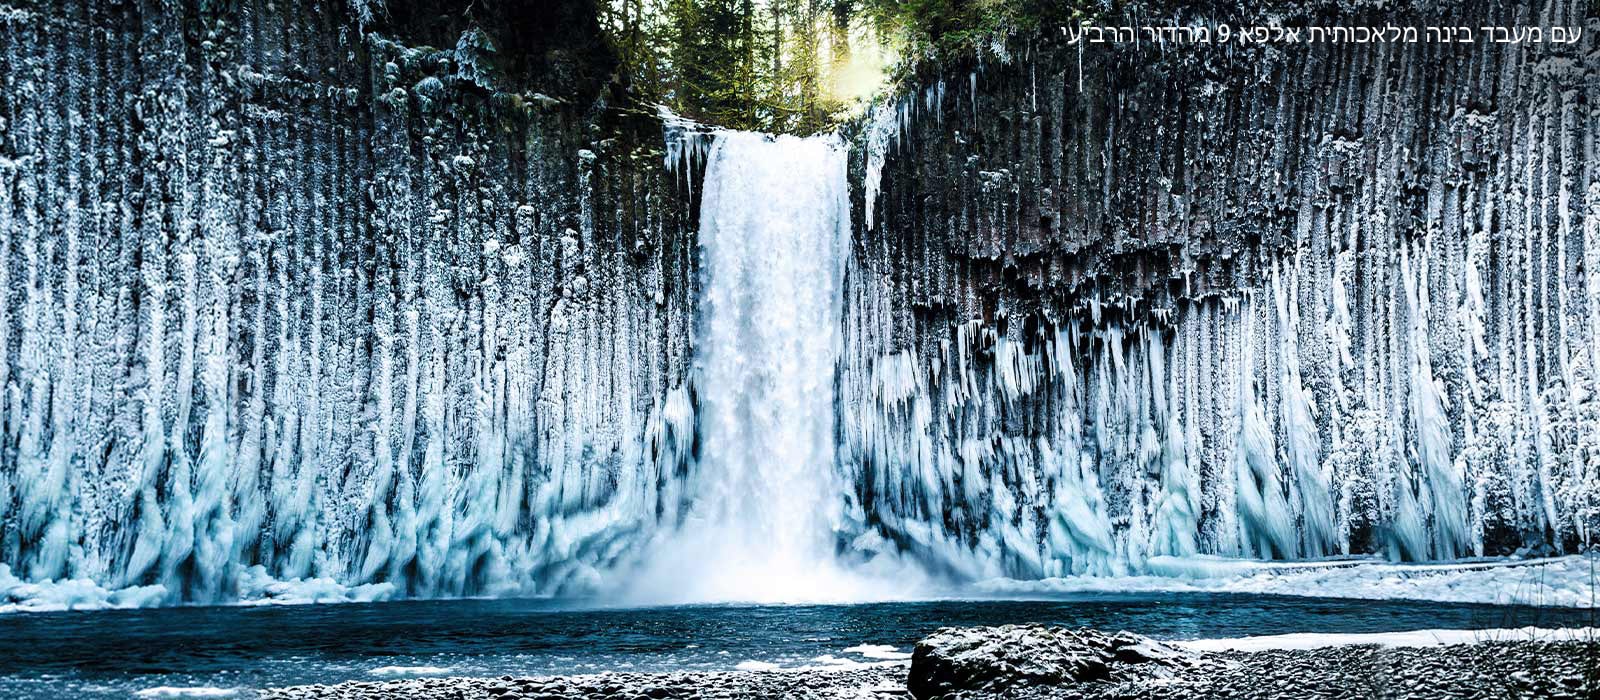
x,y
882,130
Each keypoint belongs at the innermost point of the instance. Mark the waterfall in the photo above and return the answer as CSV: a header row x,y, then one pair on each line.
x,y
774,232
774,225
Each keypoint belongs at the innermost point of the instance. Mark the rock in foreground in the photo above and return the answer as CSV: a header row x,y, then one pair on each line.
x,y
878,682
1479,671
995,658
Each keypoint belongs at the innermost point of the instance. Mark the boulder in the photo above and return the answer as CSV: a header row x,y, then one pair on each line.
x,y
994,658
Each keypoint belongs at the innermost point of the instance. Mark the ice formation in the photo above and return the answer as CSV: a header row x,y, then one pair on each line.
x,y
1114,309
264,337
268,335
1093,447
1559,582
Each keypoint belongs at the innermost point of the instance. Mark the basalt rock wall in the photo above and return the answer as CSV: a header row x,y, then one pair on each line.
x,y
1111,301
362,292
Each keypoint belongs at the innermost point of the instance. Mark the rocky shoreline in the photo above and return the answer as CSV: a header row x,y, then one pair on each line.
x,y
1032,662
871,682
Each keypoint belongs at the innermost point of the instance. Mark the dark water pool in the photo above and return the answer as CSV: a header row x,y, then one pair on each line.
x,y
117,653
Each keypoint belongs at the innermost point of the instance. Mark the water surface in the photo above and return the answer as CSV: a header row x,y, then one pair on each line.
x,y
115,653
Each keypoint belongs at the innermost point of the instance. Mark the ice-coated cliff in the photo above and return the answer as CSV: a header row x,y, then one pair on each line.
x,y
1270,301
291,302
282,300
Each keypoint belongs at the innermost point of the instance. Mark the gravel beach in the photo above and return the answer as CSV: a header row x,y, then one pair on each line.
x,y
1510,669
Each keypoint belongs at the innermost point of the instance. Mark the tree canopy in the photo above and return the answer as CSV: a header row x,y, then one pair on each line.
x,y
795,65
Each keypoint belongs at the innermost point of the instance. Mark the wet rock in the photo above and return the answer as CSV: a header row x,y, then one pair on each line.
x,y
995,658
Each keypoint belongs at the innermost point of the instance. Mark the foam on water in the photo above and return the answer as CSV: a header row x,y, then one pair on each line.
x,y
187,692
878,651
391,671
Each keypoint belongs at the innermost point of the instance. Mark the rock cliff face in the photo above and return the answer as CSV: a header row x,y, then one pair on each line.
x,y
287,293
1275,300
281,286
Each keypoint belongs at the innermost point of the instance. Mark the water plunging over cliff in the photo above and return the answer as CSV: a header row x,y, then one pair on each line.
x,y
774,222
774,229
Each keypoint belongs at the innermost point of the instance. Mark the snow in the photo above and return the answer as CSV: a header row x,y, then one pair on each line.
x,y
878,651
1415,638
1572,581
187,692
17,595
410,671
253,587
257,588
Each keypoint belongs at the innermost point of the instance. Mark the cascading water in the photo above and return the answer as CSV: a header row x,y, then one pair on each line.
x,y
774,224
774,232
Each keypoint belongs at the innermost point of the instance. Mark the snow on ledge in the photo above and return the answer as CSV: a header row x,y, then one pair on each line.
x,y
1571,581
254,587
17,595
1416,638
